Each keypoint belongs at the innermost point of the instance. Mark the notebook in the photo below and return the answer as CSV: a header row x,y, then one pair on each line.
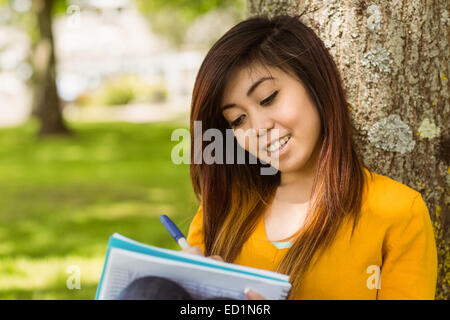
x,y
202,277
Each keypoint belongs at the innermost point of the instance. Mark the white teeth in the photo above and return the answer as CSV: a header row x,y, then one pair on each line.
x,y
274,146
277,144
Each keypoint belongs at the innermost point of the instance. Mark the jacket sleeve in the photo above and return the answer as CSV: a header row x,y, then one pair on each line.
x,y
409,269
195,233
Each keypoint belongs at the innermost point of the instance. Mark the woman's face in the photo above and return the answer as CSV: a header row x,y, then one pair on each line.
x,y
277,101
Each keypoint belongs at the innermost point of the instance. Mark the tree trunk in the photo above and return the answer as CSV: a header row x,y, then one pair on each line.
x,y
47,106
393,58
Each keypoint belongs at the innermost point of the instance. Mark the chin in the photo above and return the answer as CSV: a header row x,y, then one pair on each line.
x,y
292,165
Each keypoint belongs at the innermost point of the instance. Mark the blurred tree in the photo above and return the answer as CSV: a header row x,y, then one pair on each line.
x,y
394,64
47,105
171,18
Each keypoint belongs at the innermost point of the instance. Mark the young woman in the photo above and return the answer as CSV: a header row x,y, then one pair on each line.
x,y
337,229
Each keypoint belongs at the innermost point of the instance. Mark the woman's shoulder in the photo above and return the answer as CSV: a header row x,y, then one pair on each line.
x,y
390,198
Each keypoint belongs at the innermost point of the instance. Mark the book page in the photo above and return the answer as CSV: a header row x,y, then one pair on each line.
x,y
196,258
201,282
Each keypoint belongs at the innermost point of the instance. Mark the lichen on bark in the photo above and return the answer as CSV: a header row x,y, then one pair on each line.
x,y
392,134
393,59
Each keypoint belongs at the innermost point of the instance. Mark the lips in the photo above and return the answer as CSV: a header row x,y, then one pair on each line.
x,y
279,139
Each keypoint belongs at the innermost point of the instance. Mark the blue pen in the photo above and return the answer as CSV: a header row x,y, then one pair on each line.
x,y
174,231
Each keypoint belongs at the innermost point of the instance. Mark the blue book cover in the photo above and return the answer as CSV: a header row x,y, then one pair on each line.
x,y
202,277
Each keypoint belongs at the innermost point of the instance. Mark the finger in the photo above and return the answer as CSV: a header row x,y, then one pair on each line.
x,y
216,257
194,250
253,295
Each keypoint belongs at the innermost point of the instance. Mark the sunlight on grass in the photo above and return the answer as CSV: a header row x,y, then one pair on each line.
x,y
62,198
159,194
117,211
33,278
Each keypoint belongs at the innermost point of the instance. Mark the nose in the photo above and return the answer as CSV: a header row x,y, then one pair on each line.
x,y
262,124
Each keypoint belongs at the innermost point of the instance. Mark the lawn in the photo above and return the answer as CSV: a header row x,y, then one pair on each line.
x,y
61,199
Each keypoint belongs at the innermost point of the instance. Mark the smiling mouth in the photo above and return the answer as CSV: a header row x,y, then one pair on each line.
x,y
274,146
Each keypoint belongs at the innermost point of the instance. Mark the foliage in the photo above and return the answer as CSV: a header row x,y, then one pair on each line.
x,y
123,90
62,198
172,18
190,9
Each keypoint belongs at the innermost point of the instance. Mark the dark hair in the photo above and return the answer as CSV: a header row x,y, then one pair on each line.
x,y
233,196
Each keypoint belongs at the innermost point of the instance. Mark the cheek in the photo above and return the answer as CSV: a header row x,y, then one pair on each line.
x,y
292,122
289,115
302,119
314,126
307,134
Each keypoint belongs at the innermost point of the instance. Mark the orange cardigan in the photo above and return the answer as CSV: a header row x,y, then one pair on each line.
x,y
392,254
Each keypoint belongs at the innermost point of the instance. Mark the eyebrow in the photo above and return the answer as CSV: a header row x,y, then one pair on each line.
x,y
249,92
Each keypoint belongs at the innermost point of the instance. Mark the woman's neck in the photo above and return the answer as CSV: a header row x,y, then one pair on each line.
x,y
296,186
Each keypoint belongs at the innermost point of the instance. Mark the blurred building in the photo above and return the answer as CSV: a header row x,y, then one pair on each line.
x,y
100,39
97,39
15,95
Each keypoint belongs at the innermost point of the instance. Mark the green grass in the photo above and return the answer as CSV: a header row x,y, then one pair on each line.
x,y
61,199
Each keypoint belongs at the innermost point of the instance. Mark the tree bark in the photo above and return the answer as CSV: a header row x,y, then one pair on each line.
x,y
393,58
47,106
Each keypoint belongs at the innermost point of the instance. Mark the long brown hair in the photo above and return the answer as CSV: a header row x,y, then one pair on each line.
x,y
234,196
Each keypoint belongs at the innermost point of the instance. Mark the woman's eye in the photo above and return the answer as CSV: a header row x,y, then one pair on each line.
x,y
236,122
269,99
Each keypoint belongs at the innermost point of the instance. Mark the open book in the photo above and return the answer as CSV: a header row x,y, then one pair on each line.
x,y
202,277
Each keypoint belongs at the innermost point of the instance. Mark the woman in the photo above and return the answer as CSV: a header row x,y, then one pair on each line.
x,y
338,230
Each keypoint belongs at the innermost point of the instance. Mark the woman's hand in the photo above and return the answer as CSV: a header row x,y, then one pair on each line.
x,y
253,295
196,250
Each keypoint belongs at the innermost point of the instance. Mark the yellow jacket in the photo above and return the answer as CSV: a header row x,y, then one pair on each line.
x,y
392,254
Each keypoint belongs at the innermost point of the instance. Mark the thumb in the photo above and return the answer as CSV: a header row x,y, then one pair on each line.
x,y
253,295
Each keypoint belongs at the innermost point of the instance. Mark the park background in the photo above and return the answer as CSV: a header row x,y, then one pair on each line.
x,y
91,91
124,73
